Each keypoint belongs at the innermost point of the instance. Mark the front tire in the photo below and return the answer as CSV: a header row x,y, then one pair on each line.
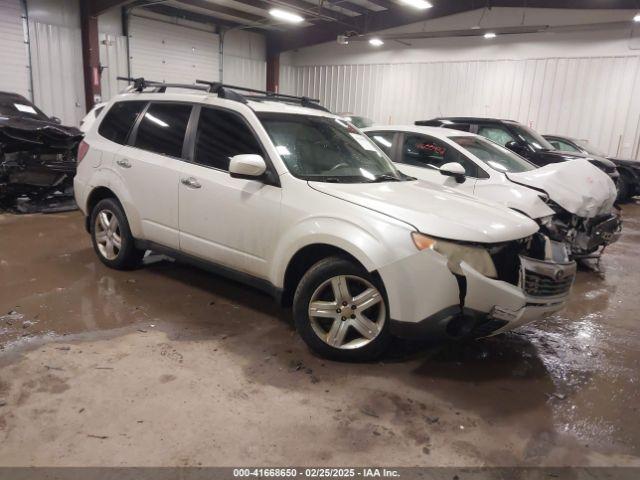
x,y
340,311
625,187
111,236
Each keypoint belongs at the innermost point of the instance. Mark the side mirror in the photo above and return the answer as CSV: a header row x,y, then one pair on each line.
x,y
516,147
248,165
56,120
455,170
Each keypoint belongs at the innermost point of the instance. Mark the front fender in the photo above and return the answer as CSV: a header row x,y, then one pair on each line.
x,y
372,251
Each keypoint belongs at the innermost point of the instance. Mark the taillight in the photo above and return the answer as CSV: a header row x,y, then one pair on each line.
x,y
83,148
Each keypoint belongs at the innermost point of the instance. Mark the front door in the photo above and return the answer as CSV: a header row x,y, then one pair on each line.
x,y
230,221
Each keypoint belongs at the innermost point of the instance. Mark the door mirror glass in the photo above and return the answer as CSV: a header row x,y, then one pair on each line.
x,y
453,169
247,165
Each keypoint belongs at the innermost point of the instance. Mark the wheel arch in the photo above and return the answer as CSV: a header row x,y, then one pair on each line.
x,y
308,256
96,195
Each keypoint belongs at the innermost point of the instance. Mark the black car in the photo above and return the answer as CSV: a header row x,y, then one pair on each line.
x,y
629,181
37,156
521,139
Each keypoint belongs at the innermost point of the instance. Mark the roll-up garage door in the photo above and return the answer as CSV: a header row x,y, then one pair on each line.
x,y
14,59
172,53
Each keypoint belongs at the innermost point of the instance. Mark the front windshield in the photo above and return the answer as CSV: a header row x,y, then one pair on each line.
x,y
497,157
327,149
17,106
587,147
533,138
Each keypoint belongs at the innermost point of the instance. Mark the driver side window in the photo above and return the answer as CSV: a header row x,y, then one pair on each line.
x,y
430,152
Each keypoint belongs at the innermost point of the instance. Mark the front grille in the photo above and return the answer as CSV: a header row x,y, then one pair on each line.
x,y
546,279
538,285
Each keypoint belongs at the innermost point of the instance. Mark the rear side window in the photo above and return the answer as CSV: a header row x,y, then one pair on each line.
x,y
222,135
118,121
163,128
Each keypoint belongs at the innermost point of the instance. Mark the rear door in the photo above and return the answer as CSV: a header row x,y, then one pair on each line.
x,y
150,167
230,221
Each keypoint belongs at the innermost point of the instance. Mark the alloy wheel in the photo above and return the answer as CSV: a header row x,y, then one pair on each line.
x,y
107,233
347,312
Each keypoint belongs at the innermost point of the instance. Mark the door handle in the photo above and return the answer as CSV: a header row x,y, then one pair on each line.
x,y
190,182
123,163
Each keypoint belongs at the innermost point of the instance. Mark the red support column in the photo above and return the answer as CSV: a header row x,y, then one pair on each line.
x,y
273,72
90,54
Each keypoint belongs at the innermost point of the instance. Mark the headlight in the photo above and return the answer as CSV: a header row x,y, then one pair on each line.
x,y
478,258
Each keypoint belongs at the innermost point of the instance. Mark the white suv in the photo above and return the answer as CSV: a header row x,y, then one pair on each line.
x,y
279,193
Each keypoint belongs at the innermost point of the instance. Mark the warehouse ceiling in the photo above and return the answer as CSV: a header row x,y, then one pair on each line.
x,y
324,20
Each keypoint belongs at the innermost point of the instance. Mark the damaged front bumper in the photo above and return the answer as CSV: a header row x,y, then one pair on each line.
x,y
474,305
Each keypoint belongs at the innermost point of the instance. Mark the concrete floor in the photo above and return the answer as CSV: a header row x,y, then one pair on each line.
x,y
168,365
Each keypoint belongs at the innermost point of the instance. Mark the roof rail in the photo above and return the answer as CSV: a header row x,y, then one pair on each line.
x,y
226,91
229,92
140,84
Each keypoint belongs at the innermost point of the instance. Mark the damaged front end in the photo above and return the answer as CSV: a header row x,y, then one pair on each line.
x,y
586,237
506,285
37,162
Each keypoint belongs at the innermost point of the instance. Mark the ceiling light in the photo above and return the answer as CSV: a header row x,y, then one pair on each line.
x,y
419,4
285,16
376,42
489,35
636,18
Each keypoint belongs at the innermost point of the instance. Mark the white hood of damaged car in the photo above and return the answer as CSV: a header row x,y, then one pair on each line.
x,y
576,185
435,210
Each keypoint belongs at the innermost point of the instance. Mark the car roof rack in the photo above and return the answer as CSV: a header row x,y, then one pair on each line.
x,y
223,90
227,91
140,84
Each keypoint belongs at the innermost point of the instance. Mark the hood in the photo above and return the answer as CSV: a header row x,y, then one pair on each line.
x,y
576,185
25,134
515,196
435,210
603,162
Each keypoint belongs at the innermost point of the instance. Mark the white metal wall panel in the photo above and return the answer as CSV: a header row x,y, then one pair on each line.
x,y
595,98
172,53
14,59
245,72
56,59
113,56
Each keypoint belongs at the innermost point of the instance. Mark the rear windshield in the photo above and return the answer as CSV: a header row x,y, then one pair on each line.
x,y
495,156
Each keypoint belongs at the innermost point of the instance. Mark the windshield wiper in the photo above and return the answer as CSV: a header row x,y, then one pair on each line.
x,y
386,178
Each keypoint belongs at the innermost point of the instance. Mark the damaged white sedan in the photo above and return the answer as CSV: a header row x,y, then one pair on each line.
x,y
572,201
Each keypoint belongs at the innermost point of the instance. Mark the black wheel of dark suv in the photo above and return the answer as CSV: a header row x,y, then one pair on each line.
x,y
341,312
111,236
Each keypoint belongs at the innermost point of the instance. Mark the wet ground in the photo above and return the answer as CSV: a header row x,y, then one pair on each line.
x,y
169,365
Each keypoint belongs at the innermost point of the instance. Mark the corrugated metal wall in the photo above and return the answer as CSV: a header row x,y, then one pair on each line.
x,y
245,72
56,59
14,58
595,98
113,56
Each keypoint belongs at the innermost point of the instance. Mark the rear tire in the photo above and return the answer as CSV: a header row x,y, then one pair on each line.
x,y
341,312
111,236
